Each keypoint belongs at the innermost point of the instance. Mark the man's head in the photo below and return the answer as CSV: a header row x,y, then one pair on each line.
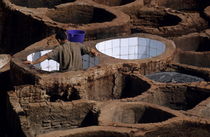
x,y
61,36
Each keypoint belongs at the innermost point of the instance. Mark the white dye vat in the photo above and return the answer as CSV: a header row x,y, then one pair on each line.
x,y
131,48
51,65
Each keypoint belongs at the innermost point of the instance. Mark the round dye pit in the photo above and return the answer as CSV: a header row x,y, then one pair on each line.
x,y
193,43
174,77
80,14
4,59
114,2
131,48
51,65
176,97
133,113
40,3
154,19
185,129
186,5
118,86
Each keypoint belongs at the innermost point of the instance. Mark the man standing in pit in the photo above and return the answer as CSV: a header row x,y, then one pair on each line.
x,y
67,54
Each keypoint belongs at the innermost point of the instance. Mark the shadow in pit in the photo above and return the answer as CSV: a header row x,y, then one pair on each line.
x,y
13,124
177,97
40,3
114,2
115,86
195,43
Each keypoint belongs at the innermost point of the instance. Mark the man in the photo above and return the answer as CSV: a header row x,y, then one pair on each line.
x,y
67,54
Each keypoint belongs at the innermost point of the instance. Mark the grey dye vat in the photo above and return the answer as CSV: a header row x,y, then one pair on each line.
x,y
175,77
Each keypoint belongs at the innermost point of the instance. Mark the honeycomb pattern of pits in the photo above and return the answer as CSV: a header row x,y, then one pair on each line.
x,y
186,5
90,132
51,65
154,19
193,43
133,113
174,77
114,2
118,86
131,48
4,59
178,98
40,3
80,14
185,129
89,95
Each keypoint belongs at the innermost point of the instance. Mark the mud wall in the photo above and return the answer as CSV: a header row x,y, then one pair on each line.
x,y
1,22
58,116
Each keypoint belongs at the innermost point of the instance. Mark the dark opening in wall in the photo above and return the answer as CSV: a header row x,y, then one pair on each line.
x,y
185,129
80,14
40,3
177,97
114,2
115,87
154,19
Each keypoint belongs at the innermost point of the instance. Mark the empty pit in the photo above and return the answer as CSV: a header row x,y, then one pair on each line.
x,y
177,97
131,48
173,77
51,65
116,86
186,5
40,3
152,18
133,113
197,59
80,14
193,43
114,2
185,129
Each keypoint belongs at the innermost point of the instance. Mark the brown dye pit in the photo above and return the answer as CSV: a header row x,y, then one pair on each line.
x,y
40,3
193,43
178,98
184,5
182,130
136,114
114,2
154,19
80,14
115,87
